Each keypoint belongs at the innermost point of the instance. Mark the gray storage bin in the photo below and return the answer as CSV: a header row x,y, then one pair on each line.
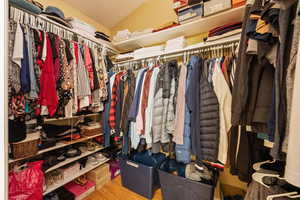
x,y
139,178
178,188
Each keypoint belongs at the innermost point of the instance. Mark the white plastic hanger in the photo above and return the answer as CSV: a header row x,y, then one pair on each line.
x,y
291,195
258,177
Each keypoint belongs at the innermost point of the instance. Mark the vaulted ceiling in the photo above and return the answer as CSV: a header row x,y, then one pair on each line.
x,y
107,12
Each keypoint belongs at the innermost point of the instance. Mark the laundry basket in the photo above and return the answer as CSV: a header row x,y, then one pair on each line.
x,y
178,188
139,178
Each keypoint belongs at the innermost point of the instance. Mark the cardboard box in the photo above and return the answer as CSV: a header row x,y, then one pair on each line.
x,y
102,182
215,6
97,174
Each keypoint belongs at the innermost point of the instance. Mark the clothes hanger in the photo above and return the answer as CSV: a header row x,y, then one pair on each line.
x,y
257,166
291,195
258,177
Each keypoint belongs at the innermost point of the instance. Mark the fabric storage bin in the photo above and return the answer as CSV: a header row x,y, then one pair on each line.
x,y
178,188
114,168
139,178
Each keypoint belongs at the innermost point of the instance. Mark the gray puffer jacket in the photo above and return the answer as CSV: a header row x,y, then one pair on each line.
x,y
164,110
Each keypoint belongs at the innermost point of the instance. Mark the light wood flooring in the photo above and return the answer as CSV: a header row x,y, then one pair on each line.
x,y
114,191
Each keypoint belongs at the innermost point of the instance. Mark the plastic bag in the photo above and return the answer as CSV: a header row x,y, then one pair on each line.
x,y
27,184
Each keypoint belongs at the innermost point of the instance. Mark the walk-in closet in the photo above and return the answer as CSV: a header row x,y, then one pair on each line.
x,y
150,99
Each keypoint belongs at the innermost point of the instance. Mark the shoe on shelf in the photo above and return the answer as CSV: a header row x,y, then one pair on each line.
x,y
100,157
92,161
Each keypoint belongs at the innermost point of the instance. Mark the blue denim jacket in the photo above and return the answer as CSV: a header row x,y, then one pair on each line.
x,y
183,152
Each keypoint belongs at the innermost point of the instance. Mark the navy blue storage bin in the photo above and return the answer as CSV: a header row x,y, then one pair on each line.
x,y
178,188
139,178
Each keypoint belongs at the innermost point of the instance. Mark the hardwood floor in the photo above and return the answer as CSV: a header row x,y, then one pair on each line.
x,y
114,191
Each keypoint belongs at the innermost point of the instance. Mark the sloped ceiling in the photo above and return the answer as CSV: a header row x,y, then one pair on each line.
x,y
107,12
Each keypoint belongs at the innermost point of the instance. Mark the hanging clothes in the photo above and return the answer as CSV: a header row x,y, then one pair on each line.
x,y
48,96
223,94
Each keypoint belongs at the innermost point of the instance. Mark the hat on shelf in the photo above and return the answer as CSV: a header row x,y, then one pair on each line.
x,y
26,5
101,35
57,15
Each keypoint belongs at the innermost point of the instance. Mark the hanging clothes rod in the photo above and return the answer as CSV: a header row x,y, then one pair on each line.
x,y
208,46
43,23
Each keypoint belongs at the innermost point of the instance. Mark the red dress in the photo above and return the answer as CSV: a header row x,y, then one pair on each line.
x,y
48,95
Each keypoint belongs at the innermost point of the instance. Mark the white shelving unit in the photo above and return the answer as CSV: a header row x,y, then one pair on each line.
x,y
70,160
195,27
229,39
57,146
69,179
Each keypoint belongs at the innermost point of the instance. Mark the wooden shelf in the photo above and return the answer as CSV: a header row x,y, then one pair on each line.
x,y
70,160
73,117
69,179
57,146
195,27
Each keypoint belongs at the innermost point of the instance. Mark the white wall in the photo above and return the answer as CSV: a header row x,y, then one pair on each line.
x,y
3,100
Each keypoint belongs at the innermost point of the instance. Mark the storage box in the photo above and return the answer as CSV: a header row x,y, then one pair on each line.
x,y
139,178
238,3
99,173
215,6
79,191
102,182
177,4
178,188
27,147
190,12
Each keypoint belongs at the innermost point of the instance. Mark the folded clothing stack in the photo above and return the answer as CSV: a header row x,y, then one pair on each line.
x,y
122,35
175,44
143,32
148,52
124,57
82,27
225,29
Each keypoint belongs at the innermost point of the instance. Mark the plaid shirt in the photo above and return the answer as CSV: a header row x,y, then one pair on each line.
x,y
113,103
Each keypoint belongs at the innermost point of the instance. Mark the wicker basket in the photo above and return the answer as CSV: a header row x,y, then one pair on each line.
x,y
91,130
27,147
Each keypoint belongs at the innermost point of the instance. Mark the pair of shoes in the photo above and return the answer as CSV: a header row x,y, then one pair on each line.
x,y
204,172
92,161
191,173
100,157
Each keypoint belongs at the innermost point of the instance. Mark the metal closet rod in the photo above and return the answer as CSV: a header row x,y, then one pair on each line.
x,y
52,25
206,48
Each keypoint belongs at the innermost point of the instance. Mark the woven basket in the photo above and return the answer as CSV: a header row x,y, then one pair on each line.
x,y
26,148
91,130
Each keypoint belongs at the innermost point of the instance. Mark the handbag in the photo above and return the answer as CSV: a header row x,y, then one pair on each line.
x,y
26,184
